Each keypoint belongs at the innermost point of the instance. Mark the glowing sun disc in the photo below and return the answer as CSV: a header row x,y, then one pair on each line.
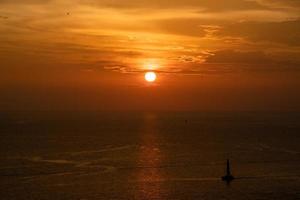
x,y
150,76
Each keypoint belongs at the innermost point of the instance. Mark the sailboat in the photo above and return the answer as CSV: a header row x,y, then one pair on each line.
x,y
228,177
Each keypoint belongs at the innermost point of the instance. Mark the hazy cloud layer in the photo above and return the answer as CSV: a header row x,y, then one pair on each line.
x,y
281,3
131,35
285,32
201,4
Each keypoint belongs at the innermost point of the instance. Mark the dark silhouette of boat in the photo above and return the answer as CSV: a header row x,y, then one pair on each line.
x,y
228,176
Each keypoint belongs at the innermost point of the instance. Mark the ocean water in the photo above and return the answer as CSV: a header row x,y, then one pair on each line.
x,y
149,155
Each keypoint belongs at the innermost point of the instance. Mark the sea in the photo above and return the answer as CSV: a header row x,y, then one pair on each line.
x,y
149,155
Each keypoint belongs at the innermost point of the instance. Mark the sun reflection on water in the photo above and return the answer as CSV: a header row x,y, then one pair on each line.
x,y
149,175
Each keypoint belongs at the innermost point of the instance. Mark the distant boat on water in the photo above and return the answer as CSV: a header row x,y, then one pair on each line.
x,y
228,176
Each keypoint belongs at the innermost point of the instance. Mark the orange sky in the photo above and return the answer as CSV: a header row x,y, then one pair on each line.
x,y
92,54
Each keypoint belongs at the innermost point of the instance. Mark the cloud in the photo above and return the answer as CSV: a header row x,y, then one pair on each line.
x,y
3,17
177,26
285,32
231,56
252,61
212,5
280,3
218,62
141,30
25,2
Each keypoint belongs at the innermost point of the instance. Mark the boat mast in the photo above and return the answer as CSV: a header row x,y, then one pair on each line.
x,y
228,167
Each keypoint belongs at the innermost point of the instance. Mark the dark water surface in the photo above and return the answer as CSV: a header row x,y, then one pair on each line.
x,y
171,155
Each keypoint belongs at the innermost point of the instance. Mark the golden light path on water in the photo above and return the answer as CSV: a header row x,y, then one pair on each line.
x,y
149,177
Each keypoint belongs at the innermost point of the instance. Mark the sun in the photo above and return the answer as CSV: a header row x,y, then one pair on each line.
x,y
150,76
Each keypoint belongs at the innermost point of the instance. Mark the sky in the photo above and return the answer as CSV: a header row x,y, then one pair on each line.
x,y
92,55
